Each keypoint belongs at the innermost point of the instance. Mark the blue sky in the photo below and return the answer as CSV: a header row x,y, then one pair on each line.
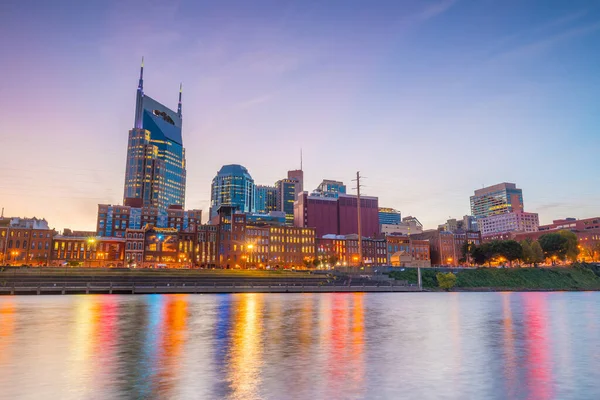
x,y
428,99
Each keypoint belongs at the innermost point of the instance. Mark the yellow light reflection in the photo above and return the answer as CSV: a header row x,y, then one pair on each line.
x,y
247,347
7,327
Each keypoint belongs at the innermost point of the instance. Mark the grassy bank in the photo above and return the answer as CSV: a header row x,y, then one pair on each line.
x,y
573,278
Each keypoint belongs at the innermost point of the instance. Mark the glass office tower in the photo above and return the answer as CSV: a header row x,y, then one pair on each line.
x,y
232,186
155,173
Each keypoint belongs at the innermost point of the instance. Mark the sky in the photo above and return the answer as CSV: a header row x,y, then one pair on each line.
x,y
429,100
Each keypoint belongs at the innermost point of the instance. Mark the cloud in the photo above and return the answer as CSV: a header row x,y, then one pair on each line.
x,y
255,101
433,10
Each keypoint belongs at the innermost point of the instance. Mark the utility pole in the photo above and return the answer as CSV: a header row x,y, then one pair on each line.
x,y
360,250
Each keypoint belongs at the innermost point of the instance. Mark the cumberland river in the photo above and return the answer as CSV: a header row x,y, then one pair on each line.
x,y
301,346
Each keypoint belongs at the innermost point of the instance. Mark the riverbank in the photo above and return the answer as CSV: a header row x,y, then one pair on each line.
x,y
578,278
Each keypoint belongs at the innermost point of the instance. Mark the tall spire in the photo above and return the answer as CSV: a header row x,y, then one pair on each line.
x,y
141,83
300,158
139,100
179,104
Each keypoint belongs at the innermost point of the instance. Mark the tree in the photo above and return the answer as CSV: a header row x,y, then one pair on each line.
x,y
538,253
307,262
571,245
333,259
446,281
528,256
316,262
478,255
509,249
466,250
554,246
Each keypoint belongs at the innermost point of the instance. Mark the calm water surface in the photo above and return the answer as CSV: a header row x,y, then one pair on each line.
x,y
301,346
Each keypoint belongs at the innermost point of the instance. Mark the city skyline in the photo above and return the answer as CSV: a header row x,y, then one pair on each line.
x,y
426,132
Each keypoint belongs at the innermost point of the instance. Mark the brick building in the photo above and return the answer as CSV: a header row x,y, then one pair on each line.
x,y
88,251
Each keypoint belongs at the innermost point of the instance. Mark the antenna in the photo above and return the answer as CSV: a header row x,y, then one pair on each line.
x,y
300,158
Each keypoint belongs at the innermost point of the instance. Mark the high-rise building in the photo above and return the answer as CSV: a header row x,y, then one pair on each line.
x,y
286,195
232,186
330,188
389,216
497,199
155,172
297,175
266,199
509,222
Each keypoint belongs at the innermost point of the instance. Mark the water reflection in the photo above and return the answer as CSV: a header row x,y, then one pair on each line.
x,y
254,346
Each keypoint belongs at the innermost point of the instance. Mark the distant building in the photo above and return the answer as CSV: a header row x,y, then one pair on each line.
x,y
266,199
403,228
232,186
344,249
510,222
155,171
297,175
469,223
273,218
497,199
24,223
337,216
404,251
286,196
330,188
113,221
389,216
573,224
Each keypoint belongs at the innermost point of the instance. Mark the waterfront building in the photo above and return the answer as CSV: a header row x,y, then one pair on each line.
x,y
442,247
266,199
389,216
343,249
405,251
286,196
509,222
155,170
337,216
25,243
232,186
134,247
114,220
497,199
88,251
329,188
236,241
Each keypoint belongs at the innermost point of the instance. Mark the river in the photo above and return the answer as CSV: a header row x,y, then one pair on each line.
x,y
302,346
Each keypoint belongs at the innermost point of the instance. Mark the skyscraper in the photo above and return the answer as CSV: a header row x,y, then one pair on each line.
x,y
497,199
286,195
266,199
155,172
232,186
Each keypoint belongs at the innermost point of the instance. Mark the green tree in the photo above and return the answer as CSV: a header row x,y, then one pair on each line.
x,y
446,281
528,256
316,262
509,249
333,259
538,253
307,262
478,255
554,246
571,245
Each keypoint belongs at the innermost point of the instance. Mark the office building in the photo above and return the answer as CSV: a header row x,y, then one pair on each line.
x,y
286,196
497,199
155,171
510,222
266,199
297,175
404,228
337,216
573,224
442,247
330,188
233,186
404,251
389,216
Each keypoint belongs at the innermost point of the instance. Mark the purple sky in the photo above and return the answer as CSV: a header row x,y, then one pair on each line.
x,y
428,99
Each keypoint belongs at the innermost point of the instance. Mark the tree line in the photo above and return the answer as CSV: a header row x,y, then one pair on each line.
x,y
555,246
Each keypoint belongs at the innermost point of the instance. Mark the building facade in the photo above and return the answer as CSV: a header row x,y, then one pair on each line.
x,y
573,224
233,186
330,188
497,199
389,216
88,251
25,246
114,221
509,222
155,170
337,216
286,196
404,251
442,247
266,199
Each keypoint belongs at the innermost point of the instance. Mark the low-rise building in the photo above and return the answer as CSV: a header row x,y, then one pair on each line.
x,y
508,222
88,251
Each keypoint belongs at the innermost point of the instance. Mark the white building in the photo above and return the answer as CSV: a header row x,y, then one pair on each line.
x,y
406,228
509,222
